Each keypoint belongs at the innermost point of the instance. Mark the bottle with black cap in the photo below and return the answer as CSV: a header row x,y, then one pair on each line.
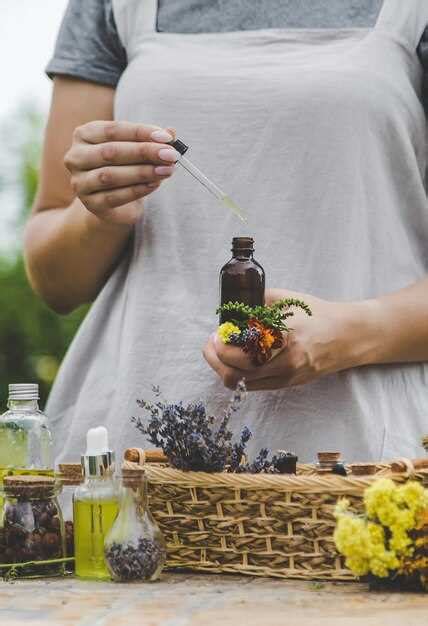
x,y
95,506
242,279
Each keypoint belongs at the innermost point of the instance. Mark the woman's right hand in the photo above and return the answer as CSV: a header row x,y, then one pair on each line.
x,y
113,164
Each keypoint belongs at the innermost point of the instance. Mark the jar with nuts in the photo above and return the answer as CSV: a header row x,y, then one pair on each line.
x,y
32,539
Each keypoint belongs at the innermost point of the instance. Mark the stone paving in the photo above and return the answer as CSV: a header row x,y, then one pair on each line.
x,y
205,600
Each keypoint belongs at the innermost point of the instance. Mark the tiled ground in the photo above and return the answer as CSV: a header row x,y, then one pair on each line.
x,y
205,600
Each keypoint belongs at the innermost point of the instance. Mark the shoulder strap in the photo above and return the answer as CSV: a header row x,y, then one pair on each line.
x,y
134,17
405,18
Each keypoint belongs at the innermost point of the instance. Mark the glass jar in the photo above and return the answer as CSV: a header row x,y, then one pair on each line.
x,y
25,439
135,548
32,538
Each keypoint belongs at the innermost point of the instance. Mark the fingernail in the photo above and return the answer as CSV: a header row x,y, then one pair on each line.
x,y
164,170
169,154
162,136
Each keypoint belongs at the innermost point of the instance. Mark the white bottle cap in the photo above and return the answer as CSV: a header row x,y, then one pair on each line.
x,y
24,391
98,459
96,441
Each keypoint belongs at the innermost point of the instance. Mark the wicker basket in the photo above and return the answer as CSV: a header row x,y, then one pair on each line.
x,y
255,524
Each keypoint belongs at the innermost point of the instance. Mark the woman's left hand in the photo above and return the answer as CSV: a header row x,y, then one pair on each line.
x,y
338,336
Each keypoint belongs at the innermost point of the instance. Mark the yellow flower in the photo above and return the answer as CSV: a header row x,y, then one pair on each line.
x,y
227,329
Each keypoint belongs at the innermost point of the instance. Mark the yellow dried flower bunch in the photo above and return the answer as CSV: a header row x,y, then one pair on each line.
x,y
380,541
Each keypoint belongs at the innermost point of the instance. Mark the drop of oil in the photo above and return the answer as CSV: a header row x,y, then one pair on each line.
x,y
231,204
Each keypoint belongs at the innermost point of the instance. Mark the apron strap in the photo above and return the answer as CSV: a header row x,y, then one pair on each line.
x,y
407,19
134,17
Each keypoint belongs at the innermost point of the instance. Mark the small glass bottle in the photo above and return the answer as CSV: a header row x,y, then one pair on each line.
x,y
242,279
33,529
95,506
26,445
135,547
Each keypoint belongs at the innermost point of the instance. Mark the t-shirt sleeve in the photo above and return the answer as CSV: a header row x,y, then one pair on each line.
x,y
88,44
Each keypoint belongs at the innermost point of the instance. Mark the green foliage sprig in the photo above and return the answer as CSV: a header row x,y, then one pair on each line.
x,y
273,316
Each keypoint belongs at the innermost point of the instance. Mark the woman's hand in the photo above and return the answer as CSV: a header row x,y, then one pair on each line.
x,y
115,163
338,336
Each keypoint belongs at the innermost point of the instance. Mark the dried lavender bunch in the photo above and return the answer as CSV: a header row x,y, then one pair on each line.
x,y
190,438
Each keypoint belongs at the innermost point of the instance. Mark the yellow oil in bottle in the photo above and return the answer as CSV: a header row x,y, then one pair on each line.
x,y
14,457
92,521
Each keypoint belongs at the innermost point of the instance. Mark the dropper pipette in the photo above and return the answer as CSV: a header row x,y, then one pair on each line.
x,y
223,197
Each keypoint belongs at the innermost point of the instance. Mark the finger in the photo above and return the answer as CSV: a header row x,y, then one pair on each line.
x,y
105,200
87,157
237,358
104,131
229,375
118,176
172,131
232,356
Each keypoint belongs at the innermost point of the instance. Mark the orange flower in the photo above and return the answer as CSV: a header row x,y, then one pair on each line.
x,y
268,339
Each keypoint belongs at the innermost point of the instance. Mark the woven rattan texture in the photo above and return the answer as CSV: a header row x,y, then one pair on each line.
x,y
261,525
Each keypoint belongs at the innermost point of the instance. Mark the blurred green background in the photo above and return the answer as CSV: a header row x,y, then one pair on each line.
x,y
33,339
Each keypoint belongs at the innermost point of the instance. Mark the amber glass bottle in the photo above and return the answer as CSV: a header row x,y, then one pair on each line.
x,y
242,279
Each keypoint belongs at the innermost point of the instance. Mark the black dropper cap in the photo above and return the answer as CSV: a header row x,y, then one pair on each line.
x,y
180,146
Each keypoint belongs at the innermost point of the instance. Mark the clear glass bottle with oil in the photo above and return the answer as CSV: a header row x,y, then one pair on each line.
x,y
95,507
26,445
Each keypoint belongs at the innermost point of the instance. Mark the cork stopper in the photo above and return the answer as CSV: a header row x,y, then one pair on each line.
x,y
330,458
31,486
363,469
133,475
70,473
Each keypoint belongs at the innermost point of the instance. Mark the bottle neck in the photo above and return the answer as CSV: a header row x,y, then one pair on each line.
x,y
242,254
23,405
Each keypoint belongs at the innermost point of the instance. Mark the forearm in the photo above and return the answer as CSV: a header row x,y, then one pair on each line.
x,y
70,253
396,326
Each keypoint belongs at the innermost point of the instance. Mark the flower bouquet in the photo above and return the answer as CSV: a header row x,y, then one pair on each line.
x,y
389,543
258,330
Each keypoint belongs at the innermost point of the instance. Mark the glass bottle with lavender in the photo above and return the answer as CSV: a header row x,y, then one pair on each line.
x,y
135,547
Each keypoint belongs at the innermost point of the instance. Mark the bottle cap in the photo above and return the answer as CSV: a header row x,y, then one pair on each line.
x,y
180,146
98,459
24,391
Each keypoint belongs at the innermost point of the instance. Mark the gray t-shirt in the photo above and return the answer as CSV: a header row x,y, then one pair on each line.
x,y
89,47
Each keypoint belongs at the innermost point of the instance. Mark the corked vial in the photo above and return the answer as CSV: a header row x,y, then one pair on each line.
x,y
134,548
70,476
330,463
33,527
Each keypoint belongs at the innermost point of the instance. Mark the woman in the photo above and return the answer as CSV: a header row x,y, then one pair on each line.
x,y
317,128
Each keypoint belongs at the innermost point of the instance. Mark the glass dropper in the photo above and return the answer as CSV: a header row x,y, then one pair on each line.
x,y
223,197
